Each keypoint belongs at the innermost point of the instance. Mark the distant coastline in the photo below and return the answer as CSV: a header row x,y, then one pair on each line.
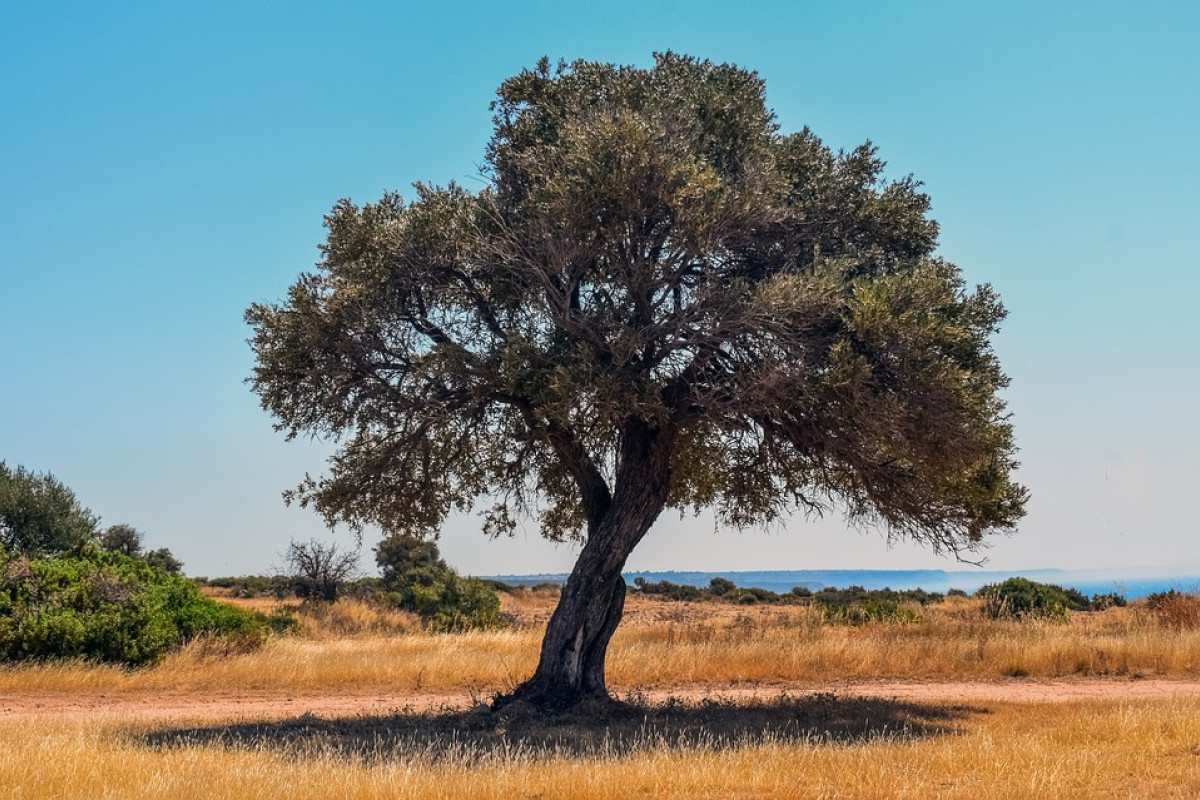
x,y
1133,583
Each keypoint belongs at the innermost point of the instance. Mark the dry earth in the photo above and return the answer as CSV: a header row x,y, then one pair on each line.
x,y
193,706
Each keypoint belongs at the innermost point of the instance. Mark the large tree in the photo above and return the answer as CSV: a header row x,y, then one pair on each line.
x,y
658,300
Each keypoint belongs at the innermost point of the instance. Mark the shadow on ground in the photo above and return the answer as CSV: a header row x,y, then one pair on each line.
x,y
515,732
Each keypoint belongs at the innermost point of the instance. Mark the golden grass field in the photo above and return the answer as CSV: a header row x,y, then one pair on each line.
x,y
791,739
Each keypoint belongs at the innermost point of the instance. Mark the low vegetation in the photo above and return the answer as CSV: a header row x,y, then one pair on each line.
x,y
1016,598
416,579
366,646
100,605
823,744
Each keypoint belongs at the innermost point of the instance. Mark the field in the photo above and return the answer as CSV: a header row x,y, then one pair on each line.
x,y
726,701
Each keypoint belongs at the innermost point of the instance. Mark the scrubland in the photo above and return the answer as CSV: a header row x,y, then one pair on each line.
x,y
807,733
660,644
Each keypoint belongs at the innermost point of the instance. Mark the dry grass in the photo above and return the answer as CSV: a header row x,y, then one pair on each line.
x,y
818,746
1084,750
661,644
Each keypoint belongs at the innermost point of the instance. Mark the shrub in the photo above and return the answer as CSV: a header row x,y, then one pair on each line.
x,y
249,585
416,579
669,590
871,608
104,606
721,586
1017,598
1102,602
853,595
1175,609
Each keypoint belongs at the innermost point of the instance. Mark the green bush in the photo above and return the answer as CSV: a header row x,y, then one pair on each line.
x,y
1101,602
416,579
103,606
870,608
1018,598
669,590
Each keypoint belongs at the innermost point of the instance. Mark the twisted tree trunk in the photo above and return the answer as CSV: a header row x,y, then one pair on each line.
x,y
571,667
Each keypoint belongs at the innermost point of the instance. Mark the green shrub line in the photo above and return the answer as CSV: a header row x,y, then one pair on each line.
x,y
1014,598
834,600
103,606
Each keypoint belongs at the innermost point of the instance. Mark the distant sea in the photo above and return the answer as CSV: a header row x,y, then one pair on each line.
x,y
1132,583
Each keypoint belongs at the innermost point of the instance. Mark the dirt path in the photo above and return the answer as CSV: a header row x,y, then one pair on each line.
x,y
243,705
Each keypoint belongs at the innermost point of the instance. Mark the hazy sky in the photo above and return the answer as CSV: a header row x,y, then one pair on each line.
x,y
162,168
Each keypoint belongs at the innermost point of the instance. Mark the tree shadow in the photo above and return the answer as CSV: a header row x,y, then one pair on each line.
x,y
480,734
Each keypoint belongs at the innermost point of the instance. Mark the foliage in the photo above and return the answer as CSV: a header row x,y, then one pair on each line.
x,y
104,606
721,586
128,541
869,609
657,300
651,264
1020,597
401,556
319,571
418,580
39,515
123,539
831,596
674,591
164,559
853,605
248,585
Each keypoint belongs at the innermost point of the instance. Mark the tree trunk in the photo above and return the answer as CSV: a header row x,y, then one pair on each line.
x,y
571,668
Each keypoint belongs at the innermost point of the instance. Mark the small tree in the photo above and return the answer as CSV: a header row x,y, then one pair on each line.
x,y
423,583
39,515
404,558
127,540
658,300
318,571
123,539
164,559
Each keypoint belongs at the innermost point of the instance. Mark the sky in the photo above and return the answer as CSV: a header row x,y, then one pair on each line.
x,y
165,165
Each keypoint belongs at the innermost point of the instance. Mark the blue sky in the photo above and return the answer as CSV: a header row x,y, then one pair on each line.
x,y
164,167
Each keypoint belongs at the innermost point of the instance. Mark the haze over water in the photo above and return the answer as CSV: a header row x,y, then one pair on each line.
x,y
1132,583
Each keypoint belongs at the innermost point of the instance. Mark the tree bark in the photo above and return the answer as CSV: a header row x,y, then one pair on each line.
x,y
571,667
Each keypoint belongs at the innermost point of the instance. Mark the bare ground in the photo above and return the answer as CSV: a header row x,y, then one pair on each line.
x,y
194,706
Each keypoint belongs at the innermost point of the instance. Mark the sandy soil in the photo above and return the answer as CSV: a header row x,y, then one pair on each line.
x,y
230,706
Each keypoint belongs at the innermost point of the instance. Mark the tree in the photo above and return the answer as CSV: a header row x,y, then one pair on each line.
x,y
127,540
658,300
39,515
318,571
418,580
401,555
165,560
123,539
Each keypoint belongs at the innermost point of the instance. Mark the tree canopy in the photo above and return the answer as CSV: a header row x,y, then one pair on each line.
x,y
39,515
658,300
